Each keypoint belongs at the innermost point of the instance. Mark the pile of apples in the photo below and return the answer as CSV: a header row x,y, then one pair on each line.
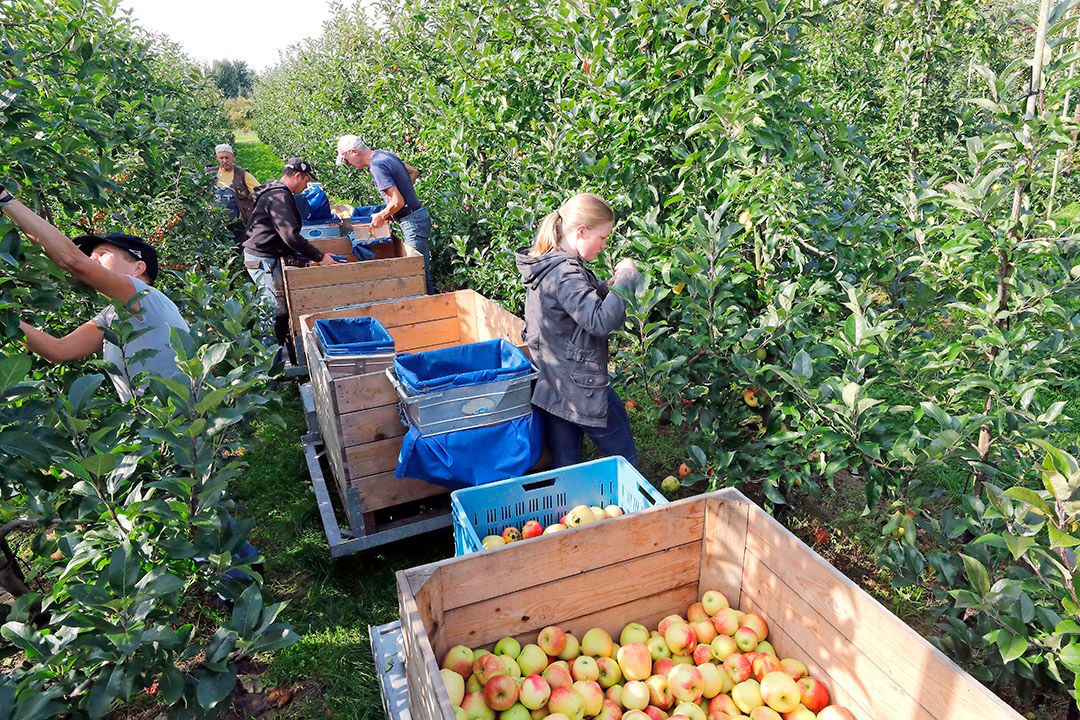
x,y
714,664
579,515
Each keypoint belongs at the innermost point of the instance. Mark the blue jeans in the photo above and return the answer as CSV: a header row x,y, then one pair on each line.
x,y
564,438
416,229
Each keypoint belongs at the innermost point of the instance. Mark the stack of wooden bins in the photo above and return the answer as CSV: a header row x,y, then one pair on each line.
x,y
359,421
397,271
644,566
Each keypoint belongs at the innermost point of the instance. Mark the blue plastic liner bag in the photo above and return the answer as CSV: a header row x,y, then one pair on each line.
x,y
362,214
360,250
461,366
353,336
466,458
318,206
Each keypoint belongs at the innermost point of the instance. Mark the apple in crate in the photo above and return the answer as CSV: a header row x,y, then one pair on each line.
x,y
659,692
756,623
722,647
488,666
714,601
501,692
686,683
532,660
508,646
455,685
610,672
667,621
552,640
763,713
567,701
459,659
747,695
655,713
580,515
739,667
764,664
612,511
713,680
726,621
723,704
572,649
635,715
658,648
532,529
835,712
635,662
534,692
746,638
635,695
511,534
704,630
475,708
690,710
795,668
554,528
813,694
634,632
512,668
800,713
558,676
681,639
663,666
597,643
585,668
779,691
696,613
592,696
611,711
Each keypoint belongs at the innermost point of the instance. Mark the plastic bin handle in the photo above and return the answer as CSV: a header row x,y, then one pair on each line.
x,y
380,302
539,484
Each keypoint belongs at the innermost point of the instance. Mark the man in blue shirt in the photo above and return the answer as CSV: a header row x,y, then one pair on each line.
x,y
394,180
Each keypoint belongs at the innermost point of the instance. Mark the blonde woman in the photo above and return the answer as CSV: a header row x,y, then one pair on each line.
x,y
569,316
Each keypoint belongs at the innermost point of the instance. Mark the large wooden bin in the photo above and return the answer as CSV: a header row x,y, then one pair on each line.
x,y
397,271
358,415
644,566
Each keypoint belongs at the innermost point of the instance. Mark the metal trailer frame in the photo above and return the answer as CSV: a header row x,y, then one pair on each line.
x,y
343,541
389,656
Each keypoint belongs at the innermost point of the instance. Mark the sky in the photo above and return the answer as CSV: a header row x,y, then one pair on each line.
x,y
251,30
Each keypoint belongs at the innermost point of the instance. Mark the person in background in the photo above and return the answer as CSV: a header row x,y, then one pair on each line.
x,y
122,268
394,179
234,190
569,316
274,239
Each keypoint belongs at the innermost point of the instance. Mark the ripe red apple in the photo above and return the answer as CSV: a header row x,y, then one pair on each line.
x,y
500,692
612,511
552,640
659,692
531,529
635,663
696,613
738,666
714,601
799,713
585,668
760,713
635,715
572,649
663,626
779,691
692,711
765,647
704,630
813,694
614,694
512,668
567,701
591,695
597,643
610,711
663,666
713,680
488,666
459,659
702,653
756,623
556,716
686,683
723,704
634,633
726,621
475,708
765,664
835,712
655,713
635,696
455,685
534,692
558,676
681,639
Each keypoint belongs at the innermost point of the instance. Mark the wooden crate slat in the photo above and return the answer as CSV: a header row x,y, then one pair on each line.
x,y
560,602
947,691
411,337
315,276
723,548
361,392
428,699
365,426
383,490
572,553
373,458
314,299
396,312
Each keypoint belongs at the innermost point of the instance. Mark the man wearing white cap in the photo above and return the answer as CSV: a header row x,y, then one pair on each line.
x,y
234,190
394,180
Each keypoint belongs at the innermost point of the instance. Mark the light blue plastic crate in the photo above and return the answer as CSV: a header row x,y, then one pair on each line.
x,y
321,230
547,496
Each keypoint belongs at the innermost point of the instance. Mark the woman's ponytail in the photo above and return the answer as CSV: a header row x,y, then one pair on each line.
x,y
584,209
549,236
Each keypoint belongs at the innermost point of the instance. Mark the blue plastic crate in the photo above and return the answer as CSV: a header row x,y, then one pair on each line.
x,y
547,496
353,336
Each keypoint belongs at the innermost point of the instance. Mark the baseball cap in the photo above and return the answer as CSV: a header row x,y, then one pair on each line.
x,y
138,247
300,165
346,143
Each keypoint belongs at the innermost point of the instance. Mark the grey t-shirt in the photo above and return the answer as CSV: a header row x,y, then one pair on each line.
x,y
157,315
388,171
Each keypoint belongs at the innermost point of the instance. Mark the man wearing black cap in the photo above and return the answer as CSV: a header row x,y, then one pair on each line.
x,y
273,239
122,268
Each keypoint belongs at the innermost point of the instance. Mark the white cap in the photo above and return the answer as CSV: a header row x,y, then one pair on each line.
x,y
345,143
223,147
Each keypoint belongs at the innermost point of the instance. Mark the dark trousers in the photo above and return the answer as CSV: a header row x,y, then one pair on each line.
x,y
564,438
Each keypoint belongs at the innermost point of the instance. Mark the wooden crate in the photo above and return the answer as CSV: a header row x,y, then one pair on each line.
x,y
397,271
358,415
644,566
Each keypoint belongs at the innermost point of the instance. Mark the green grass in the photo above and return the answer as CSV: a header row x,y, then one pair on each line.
x,y
257,158
331,602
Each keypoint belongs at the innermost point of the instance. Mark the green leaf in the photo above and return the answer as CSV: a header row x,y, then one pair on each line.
x,y
13,369
1070,656
1011,646
123,570
850,393
1059,538
245,616
83,389
803,366
171,685
976,574
213,687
